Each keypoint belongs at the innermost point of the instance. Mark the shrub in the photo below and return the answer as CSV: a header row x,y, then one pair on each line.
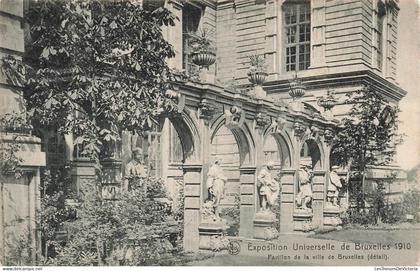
x,y
232,215
137,229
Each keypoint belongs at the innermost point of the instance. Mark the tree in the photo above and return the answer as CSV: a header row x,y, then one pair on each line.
x,y
94,68
367,136
138,229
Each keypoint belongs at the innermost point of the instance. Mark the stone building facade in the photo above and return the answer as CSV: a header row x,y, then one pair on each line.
x,y
19,195
310,47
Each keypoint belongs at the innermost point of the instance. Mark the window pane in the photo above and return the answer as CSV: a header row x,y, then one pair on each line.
x,y
290,14
304,13
298,36
379,41
291,34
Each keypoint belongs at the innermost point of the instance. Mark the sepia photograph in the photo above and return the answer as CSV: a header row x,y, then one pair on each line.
x,y
210,133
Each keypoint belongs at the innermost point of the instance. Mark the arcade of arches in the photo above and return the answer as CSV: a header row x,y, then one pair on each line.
x,y
244,135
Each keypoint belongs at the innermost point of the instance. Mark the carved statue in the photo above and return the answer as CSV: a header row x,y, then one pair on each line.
x,y
235,116
334,186
216,181
268,188
304,196
136,166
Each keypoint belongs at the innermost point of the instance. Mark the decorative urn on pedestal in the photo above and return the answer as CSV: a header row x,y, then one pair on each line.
x,y
257,74
328,102
296,91
203,52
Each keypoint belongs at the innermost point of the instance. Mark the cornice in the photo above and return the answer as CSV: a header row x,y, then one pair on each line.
x,y
217,95
384,86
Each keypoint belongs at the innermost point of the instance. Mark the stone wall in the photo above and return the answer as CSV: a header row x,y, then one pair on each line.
x,y
19,197
343,38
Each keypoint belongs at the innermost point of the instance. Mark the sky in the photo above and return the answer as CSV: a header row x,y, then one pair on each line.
x,y
408,77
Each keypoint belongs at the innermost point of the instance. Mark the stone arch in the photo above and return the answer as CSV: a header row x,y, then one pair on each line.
x,y
314,142
284,145
243,137
190,137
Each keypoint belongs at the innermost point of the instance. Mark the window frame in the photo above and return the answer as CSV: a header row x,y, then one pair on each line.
x,y
381,33
187,65
296,44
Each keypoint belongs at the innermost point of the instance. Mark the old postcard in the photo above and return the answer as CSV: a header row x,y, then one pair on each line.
x,y
209,133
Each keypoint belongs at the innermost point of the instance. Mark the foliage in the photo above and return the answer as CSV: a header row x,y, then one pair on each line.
x,y
411,204
19,251
13,70
232,215
180,202
134,230
201,41
381,211
16,125
366,136
257,63
94,68
54,211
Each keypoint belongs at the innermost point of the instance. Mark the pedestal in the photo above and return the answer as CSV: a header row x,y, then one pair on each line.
x,y
332,216
212,235
258,92
207,76
111,179
264,226
297,106
302,220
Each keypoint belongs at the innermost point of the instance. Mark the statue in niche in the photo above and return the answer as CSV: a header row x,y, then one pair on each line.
x,y
268,188
334,186
135,168
216,181
304,196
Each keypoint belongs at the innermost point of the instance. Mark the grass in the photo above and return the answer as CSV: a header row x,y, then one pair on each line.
x,y
360,235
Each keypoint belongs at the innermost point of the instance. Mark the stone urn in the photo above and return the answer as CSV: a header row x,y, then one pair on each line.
x,y
297,89
327,102
203,58
257,77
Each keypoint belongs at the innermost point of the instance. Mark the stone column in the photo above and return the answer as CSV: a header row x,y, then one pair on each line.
x,y
19,200
318,189
271,38
331,214
248,200
111,183
83,175
173,34
226,40
287,199
318,33
302,218
192,203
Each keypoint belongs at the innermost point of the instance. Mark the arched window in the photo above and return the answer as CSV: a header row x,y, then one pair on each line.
x,y
297,31
191,16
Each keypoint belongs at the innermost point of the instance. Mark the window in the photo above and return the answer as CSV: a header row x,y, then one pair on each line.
x,y
175,148
153,159
190,21
297,29
379,34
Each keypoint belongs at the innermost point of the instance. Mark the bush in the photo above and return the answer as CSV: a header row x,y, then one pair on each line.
x,y
137,229
393,213
358,216
411,204
379,210
232,215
